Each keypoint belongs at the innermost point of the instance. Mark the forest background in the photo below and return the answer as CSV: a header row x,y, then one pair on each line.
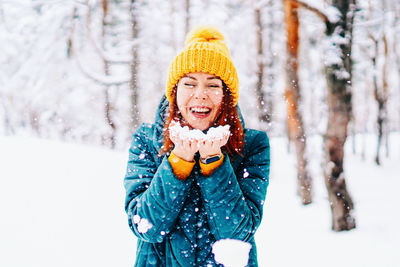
x,y
90,71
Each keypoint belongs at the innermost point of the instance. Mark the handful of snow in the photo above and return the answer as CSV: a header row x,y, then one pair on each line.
x,y
231,252
185,133
143,225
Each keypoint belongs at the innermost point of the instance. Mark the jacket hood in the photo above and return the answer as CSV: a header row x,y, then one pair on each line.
x,y
161,117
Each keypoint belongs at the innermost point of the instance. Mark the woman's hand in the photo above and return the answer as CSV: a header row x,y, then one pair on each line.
x,y
185,149
212,146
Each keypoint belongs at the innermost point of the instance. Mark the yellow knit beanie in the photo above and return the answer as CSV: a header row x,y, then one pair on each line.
x,y
204,51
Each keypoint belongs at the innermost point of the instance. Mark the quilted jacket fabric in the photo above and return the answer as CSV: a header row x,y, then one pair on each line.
x,y
177,221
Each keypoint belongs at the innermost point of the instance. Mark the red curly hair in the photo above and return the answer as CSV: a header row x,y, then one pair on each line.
x,y
228,114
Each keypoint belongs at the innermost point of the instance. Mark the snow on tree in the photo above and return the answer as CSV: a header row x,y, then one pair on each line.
x,y
90,71
293,96
338,71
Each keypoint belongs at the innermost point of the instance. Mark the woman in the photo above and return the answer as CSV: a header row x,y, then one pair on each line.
x,y
182,195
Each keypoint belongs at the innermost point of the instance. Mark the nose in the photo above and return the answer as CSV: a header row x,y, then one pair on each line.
x,y
200,92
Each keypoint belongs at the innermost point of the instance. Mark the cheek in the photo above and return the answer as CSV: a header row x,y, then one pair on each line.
x,y
181,99
217,99
178,101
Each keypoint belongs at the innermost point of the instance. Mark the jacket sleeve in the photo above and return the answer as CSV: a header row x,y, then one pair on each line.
x,y
154,195
234,202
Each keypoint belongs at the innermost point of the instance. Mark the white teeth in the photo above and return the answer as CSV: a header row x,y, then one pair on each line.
x,y
200,109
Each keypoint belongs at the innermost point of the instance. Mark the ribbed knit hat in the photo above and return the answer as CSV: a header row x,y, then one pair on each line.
x,y
204,51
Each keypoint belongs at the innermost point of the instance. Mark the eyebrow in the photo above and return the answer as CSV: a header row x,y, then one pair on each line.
x,y
208,78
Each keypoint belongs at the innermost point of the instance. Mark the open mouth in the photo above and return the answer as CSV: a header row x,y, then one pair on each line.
x,y
200,110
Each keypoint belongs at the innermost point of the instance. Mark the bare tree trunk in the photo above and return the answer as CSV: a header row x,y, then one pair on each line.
x,y
376,96
263,114
397,55
71,34
338,77
8,128
172,26
381,98
385,95
270,57
107,105
365,119
380,92
385,82
133,84
394,7
187,16
34,122
292,94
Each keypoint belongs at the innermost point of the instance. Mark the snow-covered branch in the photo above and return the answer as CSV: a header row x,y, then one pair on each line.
x,y
370,23
330,16
113,59
258,4
106,80
98,78
44,2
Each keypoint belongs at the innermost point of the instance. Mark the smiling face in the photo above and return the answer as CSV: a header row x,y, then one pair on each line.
x,y
199,98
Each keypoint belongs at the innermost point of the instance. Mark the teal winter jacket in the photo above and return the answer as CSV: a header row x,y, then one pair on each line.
x,y
177,221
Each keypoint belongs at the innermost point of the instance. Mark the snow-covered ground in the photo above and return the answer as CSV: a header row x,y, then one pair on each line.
x,y
62,205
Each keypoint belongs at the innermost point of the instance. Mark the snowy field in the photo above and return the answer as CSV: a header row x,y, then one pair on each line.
x,y
62,205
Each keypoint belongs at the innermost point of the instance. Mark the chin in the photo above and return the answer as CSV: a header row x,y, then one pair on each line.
x,y
199,126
